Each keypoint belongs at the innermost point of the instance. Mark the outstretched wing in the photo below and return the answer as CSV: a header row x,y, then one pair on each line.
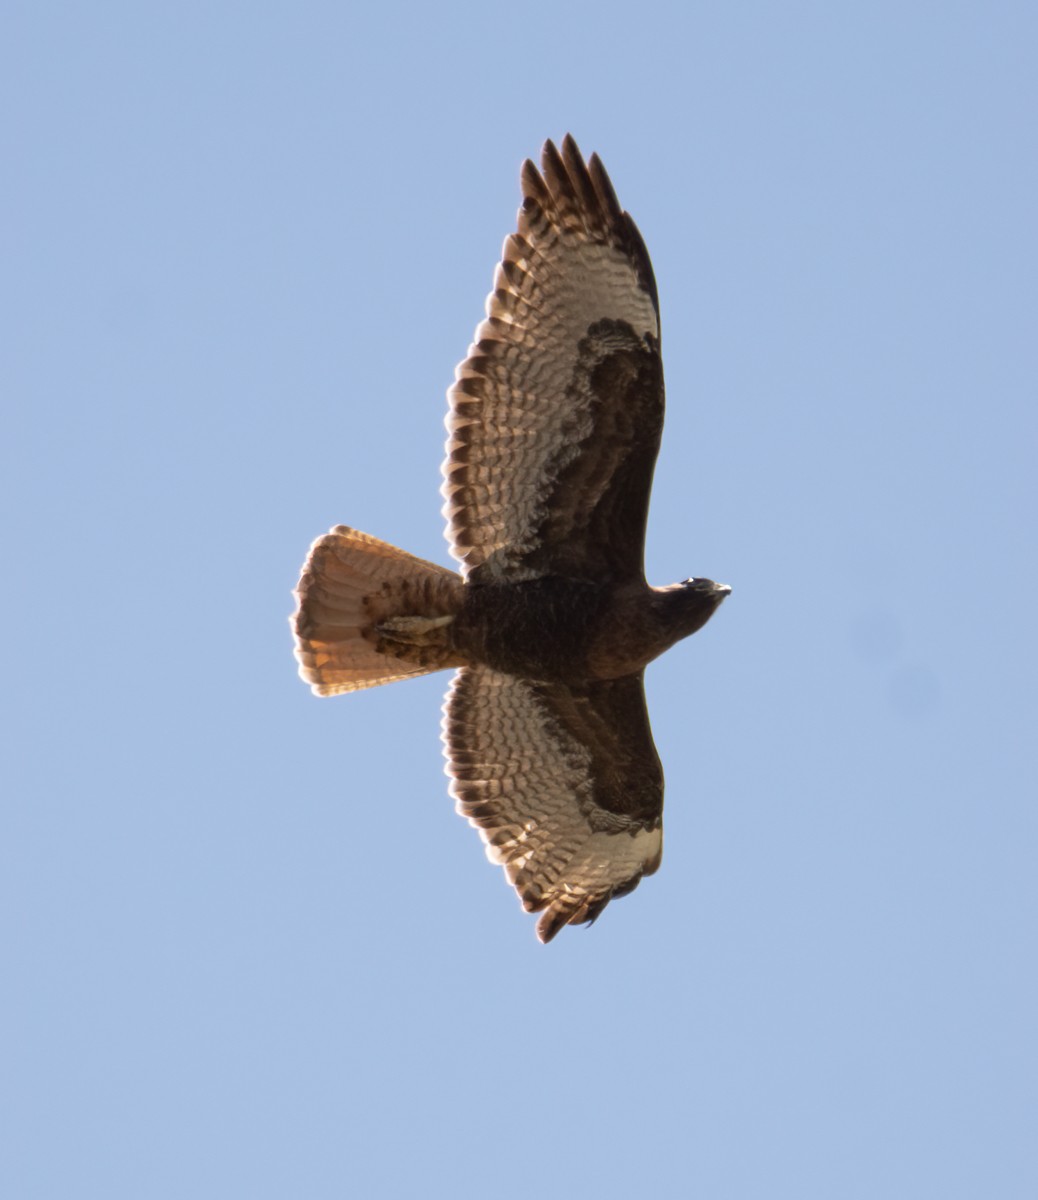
x,y
555,416
563,783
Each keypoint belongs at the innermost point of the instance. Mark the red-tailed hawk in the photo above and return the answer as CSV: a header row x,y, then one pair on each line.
x,y
553,429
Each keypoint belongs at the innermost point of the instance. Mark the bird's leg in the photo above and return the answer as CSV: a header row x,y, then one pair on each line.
x,y
413,631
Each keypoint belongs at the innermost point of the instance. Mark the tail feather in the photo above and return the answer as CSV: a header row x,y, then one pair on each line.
x,y
352,595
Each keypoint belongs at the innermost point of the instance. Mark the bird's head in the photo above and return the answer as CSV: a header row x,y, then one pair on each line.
x,y
690,604
707,588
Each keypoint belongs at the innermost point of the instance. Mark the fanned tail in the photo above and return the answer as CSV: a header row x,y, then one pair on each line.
x,y
370,613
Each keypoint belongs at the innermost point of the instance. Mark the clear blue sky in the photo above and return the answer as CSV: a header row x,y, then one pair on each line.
x,y
248,949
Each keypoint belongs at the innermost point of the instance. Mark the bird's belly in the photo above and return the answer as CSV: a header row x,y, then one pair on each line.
x,y
540,629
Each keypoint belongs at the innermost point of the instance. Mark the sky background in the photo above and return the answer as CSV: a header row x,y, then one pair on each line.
x,y
247,948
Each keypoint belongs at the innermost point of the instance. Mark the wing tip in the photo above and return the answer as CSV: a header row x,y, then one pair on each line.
x,y
584,910
574,193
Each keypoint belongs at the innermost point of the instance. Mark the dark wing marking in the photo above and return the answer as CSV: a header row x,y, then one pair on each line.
x,y
563,783
556,415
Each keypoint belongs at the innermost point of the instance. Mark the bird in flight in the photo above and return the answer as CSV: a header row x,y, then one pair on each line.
x,y
553,428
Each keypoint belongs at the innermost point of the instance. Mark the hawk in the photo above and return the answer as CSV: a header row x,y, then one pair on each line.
x,y
554,424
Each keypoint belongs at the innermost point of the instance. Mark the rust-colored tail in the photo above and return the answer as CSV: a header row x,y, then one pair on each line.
x,y
370,613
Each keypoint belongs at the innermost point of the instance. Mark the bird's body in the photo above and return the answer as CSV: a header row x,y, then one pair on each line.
x,y
553,430
569,630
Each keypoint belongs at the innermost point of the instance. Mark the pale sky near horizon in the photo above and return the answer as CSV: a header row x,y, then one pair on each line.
x,y
248,949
